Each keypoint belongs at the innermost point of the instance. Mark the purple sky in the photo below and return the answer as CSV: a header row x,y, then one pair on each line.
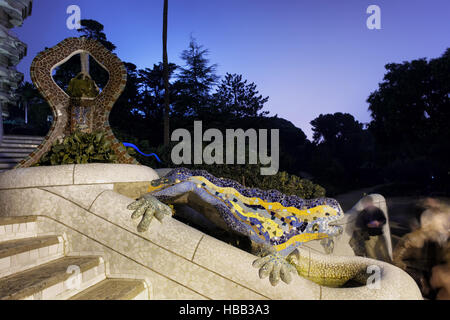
x,y
309,56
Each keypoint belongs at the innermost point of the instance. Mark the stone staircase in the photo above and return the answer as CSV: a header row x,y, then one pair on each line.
x,y
36,267
14,149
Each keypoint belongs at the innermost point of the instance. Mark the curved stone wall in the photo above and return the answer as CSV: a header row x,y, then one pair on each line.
x,y
178,261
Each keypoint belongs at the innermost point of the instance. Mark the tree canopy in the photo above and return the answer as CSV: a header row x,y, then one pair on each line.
x,y
410,112
236,97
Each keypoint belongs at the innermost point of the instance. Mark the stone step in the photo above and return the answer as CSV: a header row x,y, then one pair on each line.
x,y
10,160
14,154
12,228
22,138
16,145
56,280
22,254
115,289
7,165
16,150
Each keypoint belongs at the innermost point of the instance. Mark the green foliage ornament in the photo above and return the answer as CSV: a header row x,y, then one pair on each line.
x,y
82,86
80,148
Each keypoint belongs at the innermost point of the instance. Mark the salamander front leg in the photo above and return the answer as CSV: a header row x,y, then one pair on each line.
x,y
148,207
276,267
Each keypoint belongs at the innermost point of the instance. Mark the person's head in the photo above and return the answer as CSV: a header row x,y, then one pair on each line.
x,y
372,219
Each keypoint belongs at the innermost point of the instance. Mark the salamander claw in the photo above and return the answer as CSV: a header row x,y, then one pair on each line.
x,y
148,207
276,267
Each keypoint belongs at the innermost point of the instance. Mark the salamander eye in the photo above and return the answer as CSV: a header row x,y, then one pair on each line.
x,y
170,181
316,227
156,183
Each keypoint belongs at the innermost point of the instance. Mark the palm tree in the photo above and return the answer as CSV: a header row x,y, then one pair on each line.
x,y
166,76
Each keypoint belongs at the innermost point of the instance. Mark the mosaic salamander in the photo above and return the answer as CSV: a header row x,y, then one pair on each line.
x,y
278,222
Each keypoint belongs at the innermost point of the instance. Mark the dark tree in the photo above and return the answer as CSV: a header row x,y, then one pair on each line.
x,y
153,89
333,128
195,81
342,151
410,112
412,104
37,108
125,115
238,98
93,29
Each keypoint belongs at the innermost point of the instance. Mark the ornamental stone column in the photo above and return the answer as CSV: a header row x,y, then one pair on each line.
x,y
81,108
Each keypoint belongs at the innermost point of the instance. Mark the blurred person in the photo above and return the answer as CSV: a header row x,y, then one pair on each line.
x,y
370,238
440,281
425,252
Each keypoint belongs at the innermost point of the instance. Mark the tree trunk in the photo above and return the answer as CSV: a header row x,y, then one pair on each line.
x,y
166,77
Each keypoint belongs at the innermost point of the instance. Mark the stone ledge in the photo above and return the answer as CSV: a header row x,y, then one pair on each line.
x,y
79,174
112,173
37,177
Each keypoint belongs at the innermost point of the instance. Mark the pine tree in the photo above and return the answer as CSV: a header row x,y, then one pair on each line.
x,y
195,81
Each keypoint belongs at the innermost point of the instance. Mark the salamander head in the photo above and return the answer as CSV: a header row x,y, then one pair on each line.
x,y
161,183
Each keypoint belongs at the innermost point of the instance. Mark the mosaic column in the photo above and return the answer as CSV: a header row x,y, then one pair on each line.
x,y
86,114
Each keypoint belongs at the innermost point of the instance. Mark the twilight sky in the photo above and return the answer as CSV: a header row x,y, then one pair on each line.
x,y
309,56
